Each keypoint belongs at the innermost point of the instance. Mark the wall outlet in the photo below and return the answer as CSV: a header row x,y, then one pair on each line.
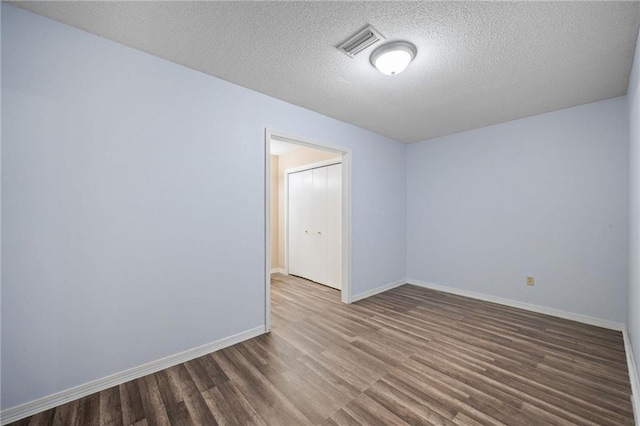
x,y
530,281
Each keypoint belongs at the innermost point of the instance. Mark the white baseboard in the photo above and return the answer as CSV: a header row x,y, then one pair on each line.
x,y
633,376
585,319
278,271
30,408
377,290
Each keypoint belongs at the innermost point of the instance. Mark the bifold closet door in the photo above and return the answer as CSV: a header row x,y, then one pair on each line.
x,y
299,218
315,224
319,249
334,226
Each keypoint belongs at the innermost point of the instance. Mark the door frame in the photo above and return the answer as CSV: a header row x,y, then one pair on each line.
x,y
346,212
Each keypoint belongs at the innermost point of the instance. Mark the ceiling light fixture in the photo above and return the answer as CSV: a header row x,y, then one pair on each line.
x,y
393,58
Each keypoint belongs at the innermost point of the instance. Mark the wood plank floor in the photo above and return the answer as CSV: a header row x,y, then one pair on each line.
x,y
408,356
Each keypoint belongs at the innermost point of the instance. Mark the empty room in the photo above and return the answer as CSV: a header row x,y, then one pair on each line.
x,y
320,213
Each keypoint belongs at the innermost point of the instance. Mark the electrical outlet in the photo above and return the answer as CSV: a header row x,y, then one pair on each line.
x,y
530,281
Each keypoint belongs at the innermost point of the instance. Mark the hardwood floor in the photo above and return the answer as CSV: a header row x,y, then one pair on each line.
x,y
407,356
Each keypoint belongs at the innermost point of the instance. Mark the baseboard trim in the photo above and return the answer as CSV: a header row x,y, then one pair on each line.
x,y
377,290
278,271
633,376
33,407
585,319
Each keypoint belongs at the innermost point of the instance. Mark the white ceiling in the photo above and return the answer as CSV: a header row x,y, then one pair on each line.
x,y
279,148
477,63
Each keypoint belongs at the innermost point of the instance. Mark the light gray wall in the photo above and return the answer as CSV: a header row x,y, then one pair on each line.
x,y
543,196
633,300
133,197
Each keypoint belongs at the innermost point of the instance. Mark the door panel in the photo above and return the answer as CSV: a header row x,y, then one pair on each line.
x,y
319,225
300,223
334,225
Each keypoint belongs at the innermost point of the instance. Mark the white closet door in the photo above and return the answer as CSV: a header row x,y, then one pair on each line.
x,y
334,225
319,226
299,218
315,224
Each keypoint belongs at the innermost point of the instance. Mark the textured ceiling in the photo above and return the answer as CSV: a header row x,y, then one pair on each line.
x,y
477,63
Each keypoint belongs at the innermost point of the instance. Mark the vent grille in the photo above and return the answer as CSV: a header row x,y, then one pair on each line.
x,y
360,41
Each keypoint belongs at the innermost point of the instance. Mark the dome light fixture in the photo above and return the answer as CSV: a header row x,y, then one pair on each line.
x,y
392,58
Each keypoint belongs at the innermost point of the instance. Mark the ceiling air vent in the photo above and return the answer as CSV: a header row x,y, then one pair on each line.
x,y
360,41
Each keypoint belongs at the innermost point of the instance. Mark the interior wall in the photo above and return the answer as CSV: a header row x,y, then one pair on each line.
x,y
274,213
543,196
633,299
133,206
300,157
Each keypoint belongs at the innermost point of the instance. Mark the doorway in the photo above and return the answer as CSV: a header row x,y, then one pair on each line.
x,y
311,155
